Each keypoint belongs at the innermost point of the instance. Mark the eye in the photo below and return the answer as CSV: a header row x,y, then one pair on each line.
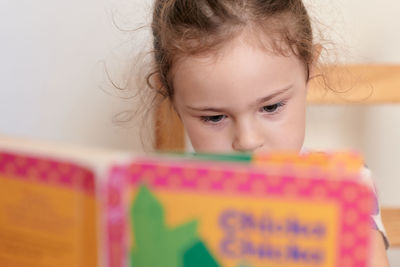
x,y
213,119
272,108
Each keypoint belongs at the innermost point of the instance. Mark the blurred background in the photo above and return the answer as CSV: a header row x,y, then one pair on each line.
x,y
54,85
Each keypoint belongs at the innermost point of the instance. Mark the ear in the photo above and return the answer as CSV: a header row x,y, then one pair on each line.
x,y
317,49
155,80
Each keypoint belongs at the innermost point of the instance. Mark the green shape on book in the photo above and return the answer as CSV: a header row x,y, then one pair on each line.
x,y
233,157
198,256
155,244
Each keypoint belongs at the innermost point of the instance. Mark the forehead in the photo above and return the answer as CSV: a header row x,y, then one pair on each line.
x,y
237,74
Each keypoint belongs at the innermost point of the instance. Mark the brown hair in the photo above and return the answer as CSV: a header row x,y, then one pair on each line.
x,y
190,27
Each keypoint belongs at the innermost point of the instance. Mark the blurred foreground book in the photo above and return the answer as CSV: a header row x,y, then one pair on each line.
x,y
65,206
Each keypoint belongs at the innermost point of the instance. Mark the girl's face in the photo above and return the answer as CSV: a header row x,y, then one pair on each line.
x,y
246,99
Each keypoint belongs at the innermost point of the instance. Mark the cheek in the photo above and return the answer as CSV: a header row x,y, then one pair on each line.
x,y
206,139
295,126
287,133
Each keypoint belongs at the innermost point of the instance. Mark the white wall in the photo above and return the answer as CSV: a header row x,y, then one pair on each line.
x,y
52,83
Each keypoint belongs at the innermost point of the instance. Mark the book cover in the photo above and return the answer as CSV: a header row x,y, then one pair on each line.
x,y
169,210
279,210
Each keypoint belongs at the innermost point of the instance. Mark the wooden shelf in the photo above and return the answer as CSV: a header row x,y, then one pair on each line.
x,y
170,135
356,84
391,221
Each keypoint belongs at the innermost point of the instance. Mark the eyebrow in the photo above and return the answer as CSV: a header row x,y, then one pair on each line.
x,y
257,102
273,95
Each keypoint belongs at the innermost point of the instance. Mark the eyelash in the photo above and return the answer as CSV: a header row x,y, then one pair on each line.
x,y
216,119
209,119
276,108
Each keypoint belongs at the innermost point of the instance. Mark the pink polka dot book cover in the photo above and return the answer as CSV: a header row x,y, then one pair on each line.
x,y
280,209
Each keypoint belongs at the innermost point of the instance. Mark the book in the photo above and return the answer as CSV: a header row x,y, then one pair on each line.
x,y
66,206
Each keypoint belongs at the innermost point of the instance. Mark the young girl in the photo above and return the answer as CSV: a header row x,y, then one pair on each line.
x,y
237,72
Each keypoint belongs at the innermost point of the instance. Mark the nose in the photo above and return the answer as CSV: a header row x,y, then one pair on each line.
x,y
248,138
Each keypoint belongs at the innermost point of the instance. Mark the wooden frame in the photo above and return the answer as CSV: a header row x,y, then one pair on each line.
x,y
348,84
356,84
170,135
391,220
